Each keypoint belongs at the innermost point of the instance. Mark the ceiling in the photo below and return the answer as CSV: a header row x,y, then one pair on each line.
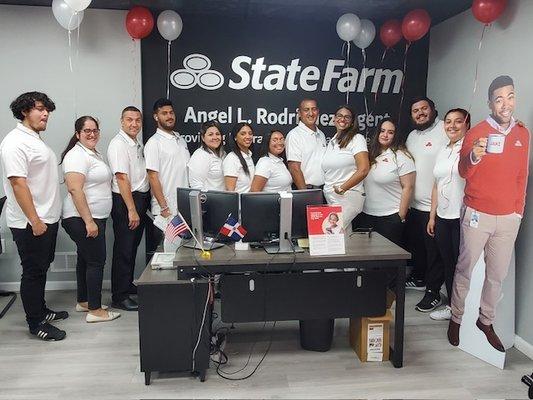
x,y
319,10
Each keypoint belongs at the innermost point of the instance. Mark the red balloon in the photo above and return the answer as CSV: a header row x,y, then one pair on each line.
x,y
488,11
139,22
390,33
415,25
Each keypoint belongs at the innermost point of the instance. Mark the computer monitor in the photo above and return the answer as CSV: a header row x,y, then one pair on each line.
x,y
260,216
300,200
205,212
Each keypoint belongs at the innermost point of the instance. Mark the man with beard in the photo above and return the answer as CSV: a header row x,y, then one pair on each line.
x,y
131,197
31,184
305,146
166,156
494,161
424,143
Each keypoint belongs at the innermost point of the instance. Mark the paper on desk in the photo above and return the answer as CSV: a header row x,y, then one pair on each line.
x,y
162,222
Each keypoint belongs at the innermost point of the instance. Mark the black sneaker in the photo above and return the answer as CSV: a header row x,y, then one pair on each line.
x,y
415,284
54,315
430,301
46,331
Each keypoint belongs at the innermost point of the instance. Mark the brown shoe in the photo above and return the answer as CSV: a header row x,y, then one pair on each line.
x,y
453,333
492,338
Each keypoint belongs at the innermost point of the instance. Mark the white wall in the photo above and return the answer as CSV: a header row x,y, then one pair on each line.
x,y
35,50
506,50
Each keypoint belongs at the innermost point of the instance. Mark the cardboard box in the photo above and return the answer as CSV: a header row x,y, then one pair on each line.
x,y
370,337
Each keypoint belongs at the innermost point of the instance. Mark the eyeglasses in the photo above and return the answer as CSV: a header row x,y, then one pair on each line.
x,y
344,117
89,131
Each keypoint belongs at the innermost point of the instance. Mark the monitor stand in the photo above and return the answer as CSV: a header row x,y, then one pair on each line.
x,y
285,245
197,225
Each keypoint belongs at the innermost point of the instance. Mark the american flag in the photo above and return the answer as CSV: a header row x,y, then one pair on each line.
x,y
233,229
176,228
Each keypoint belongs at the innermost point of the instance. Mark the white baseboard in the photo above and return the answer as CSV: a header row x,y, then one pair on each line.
x,y
523,346
50,285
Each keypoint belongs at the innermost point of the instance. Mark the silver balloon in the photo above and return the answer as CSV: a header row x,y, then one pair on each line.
x,y
78,5
348,27
169,25
367,34
66,16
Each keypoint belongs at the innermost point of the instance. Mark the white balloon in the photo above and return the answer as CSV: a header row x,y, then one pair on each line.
x,y
348,27
169,25
78,5
367,34
67,18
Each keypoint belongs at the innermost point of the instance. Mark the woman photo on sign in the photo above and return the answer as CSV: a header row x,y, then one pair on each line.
x,y
333,225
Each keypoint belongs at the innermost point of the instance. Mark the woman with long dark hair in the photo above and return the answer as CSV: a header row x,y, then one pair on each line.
x,y
447,200
271,173
345,165
205,165
238,166
389,184
85,211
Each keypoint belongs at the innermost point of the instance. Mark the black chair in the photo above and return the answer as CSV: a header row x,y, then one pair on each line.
x,y
3,293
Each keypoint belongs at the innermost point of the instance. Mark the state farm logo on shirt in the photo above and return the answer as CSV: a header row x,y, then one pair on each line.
x,y
197,72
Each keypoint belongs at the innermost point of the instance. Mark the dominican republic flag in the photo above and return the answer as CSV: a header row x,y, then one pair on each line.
x,y
233,229
176,228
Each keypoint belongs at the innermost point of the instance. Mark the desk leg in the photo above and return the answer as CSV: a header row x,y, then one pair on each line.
x,y
397,352
147,377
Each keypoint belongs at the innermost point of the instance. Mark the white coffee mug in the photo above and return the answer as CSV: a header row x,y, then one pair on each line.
x,y
495,143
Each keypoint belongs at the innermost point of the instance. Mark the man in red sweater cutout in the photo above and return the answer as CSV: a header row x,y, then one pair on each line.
x,y
494,162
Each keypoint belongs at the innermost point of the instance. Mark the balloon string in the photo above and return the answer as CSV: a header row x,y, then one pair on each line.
x,y
77,63
363,51
477,66
380,67
407,46
134,77
347,64
168,68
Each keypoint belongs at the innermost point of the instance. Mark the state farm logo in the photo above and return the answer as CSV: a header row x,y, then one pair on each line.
x,y
197,72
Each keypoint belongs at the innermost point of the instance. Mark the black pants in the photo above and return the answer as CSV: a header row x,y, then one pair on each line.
x,y
427,262
126,243
36,254
390,226
154,237
447,234
91,260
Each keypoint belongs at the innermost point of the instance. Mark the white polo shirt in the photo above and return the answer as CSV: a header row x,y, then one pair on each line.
x,y
168,155
424,146
205,170
382,184
24,154
97,186
276,173
232,167
307,147
125,156
339,164
450,185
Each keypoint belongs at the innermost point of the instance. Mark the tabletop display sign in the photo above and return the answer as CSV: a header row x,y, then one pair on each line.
x,y
325,228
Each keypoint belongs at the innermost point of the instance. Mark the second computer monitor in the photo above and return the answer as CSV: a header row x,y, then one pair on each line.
x,y
260,216
300,200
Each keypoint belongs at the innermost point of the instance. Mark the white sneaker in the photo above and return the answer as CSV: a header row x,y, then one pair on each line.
x,y
441,315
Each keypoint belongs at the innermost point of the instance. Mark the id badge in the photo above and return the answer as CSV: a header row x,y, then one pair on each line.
x,y
474,219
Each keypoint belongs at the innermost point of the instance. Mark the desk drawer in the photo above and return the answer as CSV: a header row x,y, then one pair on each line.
x,y
297,296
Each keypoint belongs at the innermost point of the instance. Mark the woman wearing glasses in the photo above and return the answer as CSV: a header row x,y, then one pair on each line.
x,y
85,210
447,199
345,165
